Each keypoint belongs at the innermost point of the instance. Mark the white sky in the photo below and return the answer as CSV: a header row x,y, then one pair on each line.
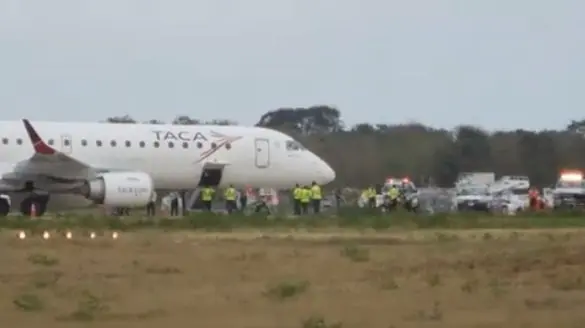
x,y
440,62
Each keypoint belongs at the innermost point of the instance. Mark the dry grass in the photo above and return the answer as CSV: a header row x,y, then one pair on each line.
x,y
319,280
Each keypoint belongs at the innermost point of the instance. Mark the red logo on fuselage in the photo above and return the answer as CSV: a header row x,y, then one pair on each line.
x,y
221,141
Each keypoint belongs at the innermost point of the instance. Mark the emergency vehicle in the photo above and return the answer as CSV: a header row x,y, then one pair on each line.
x,y
407,187
509,194
409,192
474,198
569,191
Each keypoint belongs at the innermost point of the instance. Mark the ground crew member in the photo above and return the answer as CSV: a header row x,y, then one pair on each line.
x,y
393,194
174,197
338,198
305,199
371,194
263,199
150,207
243,199
297,195
534,200
207,197
316,197
230,195
365,197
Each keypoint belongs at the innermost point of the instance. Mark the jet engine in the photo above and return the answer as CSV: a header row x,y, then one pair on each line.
x,y
120,189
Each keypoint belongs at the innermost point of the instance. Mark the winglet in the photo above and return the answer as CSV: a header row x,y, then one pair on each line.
x,y
40,146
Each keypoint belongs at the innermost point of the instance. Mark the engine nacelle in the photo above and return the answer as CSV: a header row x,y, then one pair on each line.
x,y
120,189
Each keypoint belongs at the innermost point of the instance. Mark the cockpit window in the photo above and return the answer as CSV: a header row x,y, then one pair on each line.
x,y
294,146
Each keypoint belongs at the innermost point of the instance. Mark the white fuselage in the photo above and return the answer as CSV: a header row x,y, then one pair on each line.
x,y
174,155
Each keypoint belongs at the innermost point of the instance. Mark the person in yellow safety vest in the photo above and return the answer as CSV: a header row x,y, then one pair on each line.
x,y
371,194
297,195
230,195
316,197
365,197
393,194
305,199
207,197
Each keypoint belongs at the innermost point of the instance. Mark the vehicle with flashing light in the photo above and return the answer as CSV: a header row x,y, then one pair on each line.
x,y
569,191
409,195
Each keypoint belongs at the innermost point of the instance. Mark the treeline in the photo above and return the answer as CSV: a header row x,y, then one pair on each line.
x,y
368,153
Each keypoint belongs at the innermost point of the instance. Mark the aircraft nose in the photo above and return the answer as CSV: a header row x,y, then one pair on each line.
x,y
328,173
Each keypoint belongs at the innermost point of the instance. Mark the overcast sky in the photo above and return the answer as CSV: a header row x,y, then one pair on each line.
x,y
501,64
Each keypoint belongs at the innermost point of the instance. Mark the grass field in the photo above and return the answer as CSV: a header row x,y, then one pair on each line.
x,y
320,279
348,219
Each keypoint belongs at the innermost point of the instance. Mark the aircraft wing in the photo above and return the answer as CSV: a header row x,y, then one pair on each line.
x,y
6,186
47,164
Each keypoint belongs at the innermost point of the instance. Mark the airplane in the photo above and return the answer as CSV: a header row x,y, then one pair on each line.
x,y
120,165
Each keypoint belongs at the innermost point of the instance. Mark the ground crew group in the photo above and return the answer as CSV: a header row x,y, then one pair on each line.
x,y
305,196
230,195
391,197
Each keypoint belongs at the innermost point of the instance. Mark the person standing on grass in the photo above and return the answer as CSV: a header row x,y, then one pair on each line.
x,y
371,195
305,199
174,204
243,199
297,195
316,197
150,207
338,198
207,197
230,195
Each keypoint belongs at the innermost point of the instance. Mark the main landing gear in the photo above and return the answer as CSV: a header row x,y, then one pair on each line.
x,y
35,201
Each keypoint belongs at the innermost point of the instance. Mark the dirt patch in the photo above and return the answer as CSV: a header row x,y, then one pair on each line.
x,y
296,279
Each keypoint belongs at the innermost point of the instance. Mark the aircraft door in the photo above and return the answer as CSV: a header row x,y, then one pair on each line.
x,y
66,144
262,153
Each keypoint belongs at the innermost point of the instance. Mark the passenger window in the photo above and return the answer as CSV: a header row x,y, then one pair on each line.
x,y
185,145
98,143
156,144
51,142
113,143
213,145
142,144
199,145
171,144
66,142
5,141
228,146
84,142
128,143
19,141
